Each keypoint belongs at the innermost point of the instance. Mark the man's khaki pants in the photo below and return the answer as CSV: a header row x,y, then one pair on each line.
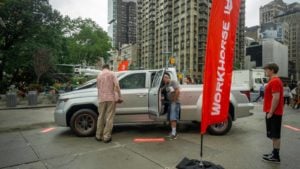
x,y
105,119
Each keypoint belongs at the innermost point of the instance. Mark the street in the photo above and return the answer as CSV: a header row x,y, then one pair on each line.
x,y
30,139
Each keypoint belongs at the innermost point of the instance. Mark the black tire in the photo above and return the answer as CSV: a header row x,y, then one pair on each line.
x,y
220,128
84,122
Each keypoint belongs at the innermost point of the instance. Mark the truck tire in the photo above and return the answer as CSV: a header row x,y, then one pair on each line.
x,y
84,122
220,128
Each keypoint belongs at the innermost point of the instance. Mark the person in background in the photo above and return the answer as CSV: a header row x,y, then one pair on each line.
x,y
296,97
261,92
68,87
187,80
287,93
273,107
108,86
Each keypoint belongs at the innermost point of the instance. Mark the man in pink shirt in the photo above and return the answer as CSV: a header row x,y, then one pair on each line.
x,y
108,86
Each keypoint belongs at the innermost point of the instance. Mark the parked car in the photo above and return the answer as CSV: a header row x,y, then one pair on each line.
x,y
142,104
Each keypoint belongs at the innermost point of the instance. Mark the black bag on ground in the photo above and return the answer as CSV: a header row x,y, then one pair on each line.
x,y
186,163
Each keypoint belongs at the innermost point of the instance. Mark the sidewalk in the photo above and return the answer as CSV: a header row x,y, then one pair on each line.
x,y
24,117
3,107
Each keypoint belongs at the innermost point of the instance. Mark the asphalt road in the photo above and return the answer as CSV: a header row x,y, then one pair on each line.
x,y
30,139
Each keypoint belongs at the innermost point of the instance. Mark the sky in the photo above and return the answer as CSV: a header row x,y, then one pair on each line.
x,y
97,10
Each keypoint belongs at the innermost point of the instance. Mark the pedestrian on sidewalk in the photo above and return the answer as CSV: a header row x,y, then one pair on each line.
x,y
108,86
287,94
172,89
261,92
273,107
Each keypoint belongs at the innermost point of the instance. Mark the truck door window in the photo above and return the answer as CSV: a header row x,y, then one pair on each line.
x,y
257,80
157,79
133,81
152,76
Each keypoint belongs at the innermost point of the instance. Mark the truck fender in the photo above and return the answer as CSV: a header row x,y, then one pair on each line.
x,y
199,108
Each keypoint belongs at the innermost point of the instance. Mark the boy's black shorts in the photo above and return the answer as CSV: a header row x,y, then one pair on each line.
x,y
273,125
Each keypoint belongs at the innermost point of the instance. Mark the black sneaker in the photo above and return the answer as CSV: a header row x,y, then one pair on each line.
x,y
98,139
107,141
272,159
267,155
173,137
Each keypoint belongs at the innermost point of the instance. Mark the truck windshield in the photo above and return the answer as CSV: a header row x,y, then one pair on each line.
x,y
92,83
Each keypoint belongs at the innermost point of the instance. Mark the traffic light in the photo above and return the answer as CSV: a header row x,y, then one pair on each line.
x,y
172,60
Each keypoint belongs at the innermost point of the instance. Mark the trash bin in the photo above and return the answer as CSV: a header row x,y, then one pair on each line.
x,y
32,98
11,99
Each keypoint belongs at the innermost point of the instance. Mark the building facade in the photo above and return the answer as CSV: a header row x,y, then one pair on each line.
x,y
270,10
122,22
178,29
268,51
292,18
282,23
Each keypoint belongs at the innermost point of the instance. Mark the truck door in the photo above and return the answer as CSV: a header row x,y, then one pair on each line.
x,y
155,94
134,93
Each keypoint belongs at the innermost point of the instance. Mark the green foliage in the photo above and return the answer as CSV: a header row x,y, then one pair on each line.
x,y
86,41
27,26
35,87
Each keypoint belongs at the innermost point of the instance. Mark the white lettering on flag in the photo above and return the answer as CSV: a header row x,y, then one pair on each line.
x,y
221,68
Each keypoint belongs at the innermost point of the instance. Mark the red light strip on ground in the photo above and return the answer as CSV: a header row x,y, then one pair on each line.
x,y
47,130
148,140
291,127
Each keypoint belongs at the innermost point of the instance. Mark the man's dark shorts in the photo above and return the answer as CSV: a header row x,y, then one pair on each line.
x,y
273,125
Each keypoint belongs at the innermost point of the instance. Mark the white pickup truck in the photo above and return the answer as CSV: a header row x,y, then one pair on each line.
x,y
142,104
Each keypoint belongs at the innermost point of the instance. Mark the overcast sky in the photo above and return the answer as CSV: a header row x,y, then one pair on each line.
x,y
97,10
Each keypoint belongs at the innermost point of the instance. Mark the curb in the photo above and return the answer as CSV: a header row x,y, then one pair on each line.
x,y
27,107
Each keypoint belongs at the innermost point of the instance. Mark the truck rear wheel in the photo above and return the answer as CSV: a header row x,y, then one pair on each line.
x,y
84,122
220,128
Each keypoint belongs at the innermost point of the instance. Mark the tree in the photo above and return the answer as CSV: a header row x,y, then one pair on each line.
x,y
28,25
86,41
41,62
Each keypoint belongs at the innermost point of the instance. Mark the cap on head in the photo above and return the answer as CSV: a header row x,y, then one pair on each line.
x,y
272,66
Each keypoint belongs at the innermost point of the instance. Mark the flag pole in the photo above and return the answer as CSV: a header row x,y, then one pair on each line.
x,y
201,152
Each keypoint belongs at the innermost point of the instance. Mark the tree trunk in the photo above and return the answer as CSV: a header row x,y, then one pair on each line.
x,y
38,79
14,77
1,70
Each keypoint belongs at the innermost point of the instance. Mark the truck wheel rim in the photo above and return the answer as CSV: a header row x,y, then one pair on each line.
x,y
220,126
84,123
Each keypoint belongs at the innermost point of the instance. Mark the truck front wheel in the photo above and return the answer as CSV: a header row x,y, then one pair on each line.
x,y
84,122
220,128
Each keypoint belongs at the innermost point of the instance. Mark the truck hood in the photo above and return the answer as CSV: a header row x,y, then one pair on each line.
x,y
91,92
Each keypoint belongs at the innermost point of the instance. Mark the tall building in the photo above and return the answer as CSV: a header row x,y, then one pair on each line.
x,y
268,51
292,18
270,10
239,53
178,28
122,22
252,32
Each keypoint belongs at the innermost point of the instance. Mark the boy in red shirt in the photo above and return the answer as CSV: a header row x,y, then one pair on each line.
x,y
273,107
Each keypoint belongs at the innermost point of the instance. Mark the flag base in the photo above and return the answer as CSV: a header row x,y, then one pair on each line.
x,y
186,163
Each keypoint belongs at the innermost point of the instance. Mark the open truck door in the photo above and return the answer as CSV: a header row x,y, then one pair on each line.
x,y
155,95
